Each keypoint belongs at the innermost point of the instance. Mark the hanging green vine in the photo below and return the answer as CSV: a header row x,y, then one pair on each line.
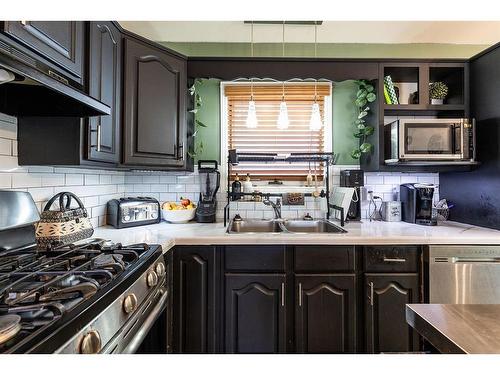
x,y
197,146
364,95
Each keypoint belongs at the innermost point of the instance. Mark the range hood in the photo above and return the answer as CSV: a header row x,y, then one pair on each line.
x,y
27,91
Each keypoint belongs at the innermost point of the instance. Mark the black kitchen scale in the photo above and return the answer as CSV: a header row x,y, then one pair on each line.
x,y
209,185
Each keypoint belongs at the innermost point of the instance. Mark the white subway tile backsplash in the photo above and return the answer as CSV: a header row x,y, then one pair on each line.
x,y
105,179
5,146
41,169
5,181
97,187
168,179
151,179
133,179
91,179
53,179
159,188
26,180
74,179
374,180
98,211
41,194
168,197
9,164
177,188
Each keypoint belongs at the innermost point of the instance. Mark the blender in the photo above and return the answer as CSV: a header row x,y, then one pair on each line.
x,y
209,184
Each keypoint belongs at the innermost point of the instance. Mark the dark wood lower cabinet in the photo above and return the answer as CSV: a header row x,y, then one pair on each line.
x,y
240,299
255,313
325,313
385,300
194,299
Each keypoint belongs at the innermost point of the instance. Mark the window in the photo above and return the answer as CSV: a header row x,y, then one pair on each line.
x,y
266,137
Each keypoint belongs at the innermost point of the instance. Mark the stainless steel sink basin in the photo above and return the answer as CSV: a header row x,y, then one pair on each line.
x,y
287,226
253,226
312,226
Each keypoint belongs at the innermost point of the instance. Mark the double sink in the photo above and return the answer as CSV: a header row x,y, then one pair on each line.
x,y
283,226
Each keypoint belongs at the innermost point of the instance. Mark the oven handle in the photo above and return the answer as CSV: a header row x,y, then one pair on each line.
x,y
141,333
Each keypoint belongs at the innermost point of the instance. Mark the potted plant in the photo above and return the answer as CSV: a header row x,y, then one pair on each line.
x,y
438,92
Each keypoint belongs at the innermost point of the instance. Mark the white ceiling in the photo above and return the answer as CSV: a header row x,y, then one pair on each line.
x,y
455,32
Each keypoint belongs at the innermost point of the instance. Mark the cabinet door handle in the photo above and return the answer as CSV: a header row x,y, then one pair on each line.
x,y
394,260
99,133
282,294
300,294
370,297
98,137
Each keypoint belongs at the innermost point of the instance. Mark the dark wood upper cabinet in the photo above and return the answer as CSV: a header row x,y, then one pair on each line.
x,y
385,298
104,84
155,91
255,313
194,299
325,313
62,42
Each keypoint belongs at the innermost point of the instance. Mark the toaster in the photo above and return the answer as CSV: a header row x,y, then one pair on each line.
x,y
132,212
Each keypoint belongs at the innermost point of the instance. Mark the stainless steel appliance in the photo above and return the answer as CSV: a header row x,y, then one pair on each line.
x,y
91,297
416,203
464,274
209,185
132,212
391,211
430,140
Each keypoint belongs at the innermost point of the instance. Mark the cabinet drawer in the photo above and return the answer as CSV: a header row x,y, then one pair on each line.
x,y
391,259
324,258
255,258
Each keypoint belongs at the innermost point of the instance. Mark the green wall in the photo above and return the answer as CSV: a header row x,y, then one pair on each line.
x,y
209,115
343,115
340,50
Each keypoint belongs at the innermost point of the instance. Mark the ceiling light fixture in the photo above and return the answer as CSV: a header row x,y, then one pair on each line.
x,y
251,121
283,121
315,123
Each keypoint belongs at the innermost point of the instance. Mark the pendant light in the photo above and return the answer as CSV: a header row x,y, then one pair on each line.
x,y
283,121
251,121
315,123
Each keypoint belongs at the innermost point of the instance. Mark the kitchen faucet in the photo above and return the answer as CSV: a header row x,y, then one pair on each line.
x,y
276,207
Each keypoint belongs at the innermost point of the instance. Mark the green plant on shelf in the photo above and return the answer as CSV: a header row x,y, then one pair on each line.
x,y
438,90
364,96
197,146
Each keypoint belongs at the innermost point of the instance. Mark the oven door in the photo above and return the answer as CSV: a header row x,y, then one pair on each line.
x,y
146,331
433,139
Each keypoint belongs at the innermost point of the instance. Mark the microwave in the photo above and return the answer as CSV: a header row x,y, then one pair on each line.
x,y
429,140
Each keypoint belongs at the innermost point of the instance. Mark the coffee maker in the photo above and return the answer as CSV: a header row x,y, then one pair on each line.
x,y
209,184
416,203
353,178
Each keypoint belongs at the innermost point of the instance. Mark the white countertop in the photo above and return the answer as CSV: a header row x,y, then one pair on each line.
x,y
358,233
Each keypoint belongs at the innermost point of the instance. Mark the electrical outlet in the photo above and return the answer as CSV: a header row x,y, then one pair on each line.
x,y
366,193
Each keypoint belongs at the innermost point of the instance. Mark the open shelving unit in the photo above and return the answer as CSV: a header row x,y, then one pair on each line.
x,y
411,77
328,158
416,77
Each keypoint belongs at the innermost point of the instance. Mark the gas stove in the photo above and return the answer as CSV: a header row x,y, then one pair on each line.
x,y
91,297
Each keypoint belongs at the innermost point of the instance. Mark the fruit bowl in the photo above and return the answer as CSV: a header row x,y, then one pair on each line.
x,y
179,214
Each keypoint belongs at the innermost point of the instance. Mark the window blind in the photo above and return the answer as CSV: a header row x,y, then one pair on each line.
x,y
267,137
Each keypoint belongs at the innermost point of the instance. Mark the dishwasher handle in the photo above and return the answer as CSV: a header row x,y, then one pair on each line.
x,y
475,260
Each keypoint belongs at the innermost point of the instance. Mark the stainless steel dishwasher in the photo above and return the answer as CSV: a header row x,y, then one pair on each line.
x,y
464,274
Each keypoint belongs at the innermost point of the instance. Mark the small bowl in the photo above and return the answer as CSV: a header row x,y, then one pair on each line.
x,y
178,216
